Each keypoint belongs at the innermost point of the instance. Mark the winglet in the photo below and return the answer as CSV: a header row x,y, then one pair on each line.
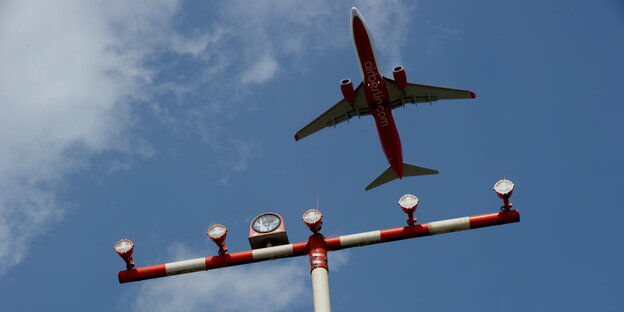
x,y
472,95
296,137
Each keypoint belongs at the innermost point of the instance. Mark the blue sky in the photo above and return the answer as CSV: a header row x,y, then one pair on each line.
x,y
153,120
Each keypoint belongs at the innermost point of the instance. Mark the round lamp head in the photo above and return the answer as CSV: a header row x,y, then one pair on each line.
x,y
313,219
124,246
408,202
124,249
504,188
217,232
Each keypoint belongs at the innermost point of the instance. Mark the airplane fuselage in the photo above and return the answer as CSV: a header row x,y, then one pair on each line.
x,y
376,93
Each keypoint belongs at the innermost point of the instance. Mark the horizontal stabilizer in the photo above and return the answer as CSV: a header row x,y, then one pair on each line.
x,y
408,171
411,170
383,178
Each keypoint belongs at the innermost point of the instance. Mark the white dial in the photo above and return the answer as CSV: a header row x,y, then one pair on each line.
x,y
266,223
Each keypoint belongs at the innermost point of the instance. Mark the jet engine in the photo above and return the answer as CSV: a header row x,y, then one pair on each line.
x,y
400,77
346,86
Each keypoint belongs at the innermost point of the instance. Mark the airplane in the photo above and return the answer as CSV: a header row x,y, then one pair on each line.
x,y
378,95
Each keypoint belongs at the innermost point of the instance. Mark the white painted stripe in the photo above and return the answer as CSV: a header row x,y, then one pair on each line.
x,y
186,266
360,239
447,226
272,252
320,289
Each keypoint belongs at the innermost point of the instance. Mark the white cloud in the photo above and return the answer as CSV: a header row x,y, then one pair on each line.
x,y
70,71
245,149
338,259
263,70
241,288
280,285
198,44
251,43
253,40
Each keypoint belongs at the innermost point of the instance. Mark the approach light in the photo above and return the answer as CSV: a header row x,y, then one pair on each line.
x,y
267,230
409,203
218,233
504,188
313,219
124,249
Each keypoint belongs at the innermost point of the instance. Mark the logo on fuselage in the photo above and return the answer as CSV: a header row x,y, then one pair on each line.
x,y
378,101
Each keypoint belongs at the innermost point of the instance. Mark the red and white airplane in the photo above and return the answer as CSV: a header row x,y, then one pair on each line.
x,y
378,95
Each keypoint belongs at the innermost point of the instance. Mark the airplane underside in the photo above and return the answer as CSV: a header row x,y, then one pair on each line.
x,y
378,96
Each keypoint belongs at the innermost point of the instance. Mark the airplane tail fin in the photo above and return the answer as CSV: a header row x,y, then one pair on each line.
x,y
408,171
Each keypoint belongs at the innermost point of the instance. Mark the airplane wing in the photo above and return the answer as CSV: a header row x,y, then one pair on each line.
x,y
417,93
341,111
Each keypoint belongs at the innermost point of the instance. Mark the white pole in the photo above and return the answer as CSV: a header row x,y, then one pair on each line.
x,y
320,289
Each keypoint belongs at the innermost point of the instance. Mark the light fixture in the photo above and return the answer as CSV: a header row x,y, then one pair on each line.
x,y
124,249
267,230
218,233
313,219
409,203
504,188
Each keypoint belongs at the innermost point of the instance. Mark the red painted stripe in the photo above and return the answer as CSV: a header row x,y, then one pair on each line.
x,y
333,243
229,259
405,232
495,218
143,273
318,252
300,248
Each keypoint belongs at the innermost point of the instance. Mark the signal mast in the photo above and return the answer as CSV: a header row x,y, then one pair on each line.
x,y
268,240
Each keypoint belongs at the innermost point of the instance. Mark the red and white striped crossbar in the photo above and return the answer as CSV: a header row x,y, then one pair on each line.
x,y
334,243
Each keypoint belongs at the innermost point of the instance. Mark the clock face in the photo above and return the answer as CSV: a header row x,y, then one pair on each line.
x,y
266,223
